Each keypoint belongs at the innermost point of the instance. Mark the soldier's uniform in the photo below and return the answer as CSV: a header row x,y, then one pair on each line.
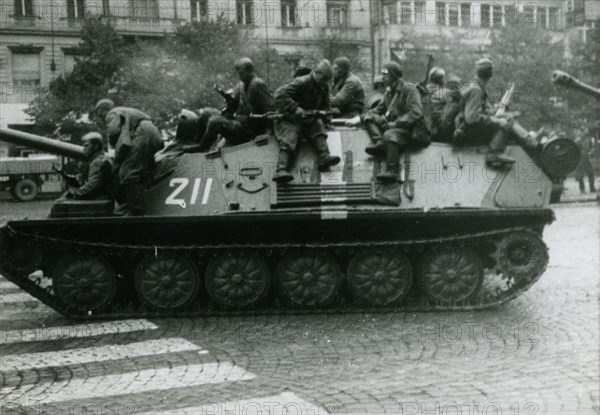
x,y
478,121
396,123
302,92
437,96
585,167
98,180
136,139
251,98
348,96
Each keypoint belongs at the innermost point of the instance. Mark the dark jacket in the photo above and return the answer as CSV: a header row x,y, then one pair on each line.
x,y
474,105
99,179
118,117
254,98
401,105
302,92
348,95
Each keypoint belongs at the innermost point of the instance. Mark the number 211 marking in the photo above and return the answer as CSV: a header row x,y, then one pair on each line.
x,y
180,184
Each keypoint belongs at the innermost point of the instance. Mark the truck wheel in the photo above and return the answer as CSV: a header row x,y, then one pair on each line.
x,y
25,190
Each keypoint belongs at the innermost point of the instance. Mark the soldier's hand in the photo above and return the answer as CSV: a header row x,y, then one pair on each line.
x,y
300,113
500,122
353,122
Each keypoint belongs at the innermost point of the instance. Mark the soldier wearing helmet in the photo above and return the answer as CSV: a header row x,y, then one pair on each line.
x,y
98,183
250,96
396,123
305,93
477,119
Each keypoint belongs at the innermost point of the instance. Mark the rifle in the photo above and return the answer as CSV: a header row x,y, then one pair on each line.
x,y
231,103
70,180
324,115
503,105
422,86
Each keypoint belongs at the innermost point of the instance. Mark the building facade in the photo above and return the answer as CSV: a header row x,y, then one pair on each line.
x,y
39,38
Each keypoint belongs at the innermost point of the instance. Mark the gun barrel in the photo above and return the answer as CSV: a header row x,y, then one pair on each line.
x,y
42,143
563,79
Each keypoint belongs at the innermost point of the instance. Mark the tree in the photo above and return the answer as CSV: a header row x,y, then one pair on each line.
x,y
68,97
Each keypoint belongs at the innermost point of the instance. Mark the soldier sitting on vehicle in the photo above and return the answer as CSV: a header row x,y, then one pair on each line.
x,y
135,139
97,178
251,96
396,123
348,94
302,94
478,120
436,97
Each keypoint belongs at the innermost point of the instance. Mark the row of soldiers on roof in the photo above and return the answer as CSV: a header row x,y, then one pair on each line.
x,y
395,118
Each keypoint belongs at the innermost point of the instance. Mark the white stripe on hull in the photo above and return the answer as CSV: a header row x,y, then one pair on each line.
x,y
76,331
126,383
5,285
284,404
17,298
95,354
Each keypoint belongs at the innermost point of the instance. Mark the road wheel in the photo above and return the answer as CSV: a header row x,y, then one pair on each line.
x,y
309,279
167,283
25,190
522,256
85,283
237,280
380,277
450,274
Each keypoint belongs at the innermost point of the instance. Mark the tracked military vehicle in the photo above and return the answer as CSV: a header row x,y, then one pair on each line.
x,y
220,237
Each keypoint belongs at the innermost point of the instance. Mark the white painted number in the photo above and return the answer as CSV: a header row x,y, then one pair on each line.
x,y
180,184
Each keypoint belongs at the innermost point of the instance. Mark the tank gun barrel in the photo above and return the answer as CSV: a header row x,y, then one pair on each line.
x,y
563,79
42,143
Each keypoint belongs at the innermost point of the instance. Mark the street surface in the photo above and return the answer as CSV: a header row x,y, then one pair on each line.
x,y
537,355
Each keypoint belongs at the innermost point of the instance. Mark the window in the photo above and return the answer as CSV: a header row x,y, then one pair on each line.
x,y
144,9
26,70
465,12
289,13
390,10
105,8
485,15
554,18
69,64
337,13
75,9
511,15
199,10
541,17
454,14
23,8
440,13
529,14
497,18
420,11
243,10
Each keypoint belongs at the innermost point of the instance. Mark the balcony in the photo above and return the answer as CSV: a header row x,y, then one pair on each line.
x,y
38,24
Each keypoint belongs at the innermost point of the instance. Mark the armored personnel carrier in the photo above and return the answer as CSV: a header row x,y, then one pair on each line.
x,y
220,237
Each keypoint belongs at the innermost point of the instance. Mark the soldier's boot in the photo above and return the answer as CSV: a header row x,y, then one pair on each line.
x,y
282,174
324,158
377,147
495,157
392,154
530,140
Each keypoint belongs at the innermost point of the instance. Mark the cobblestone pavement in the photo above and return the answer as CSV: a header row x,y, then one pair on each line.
x,y
537,355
